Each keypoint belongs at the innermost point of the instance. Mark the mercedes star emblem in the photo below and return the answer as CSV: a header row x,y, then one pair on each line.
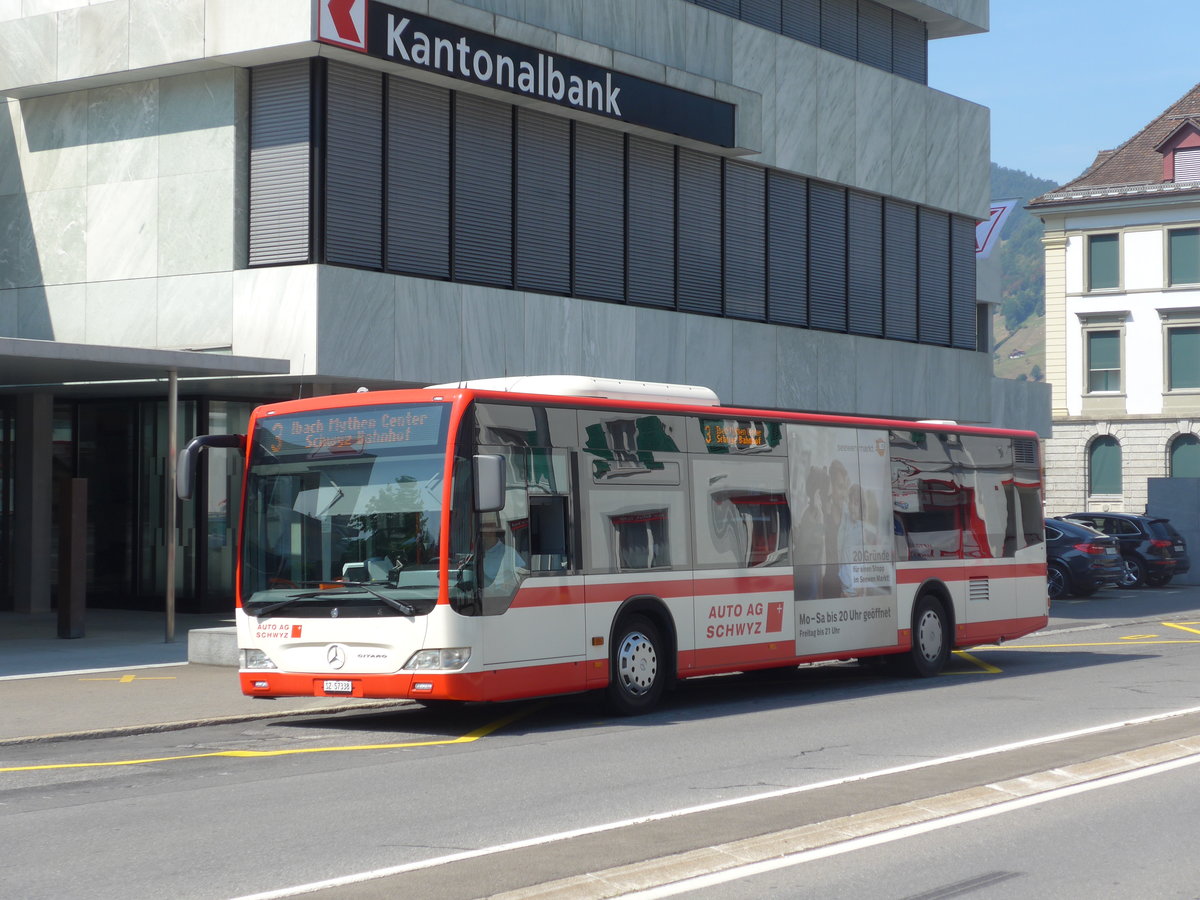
x,y
335,655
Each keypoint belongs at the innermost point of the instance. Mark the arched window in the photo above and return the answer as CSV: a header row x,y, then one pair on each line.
x,y
1185,456
1104,466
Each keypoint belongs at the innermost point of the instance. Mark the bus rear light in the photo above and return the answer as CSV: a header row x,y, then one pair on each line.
x,y
448,658
256,659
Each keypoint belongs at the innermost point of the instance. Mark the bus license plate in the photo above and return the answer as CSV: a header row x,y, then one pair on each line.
x,y
338,687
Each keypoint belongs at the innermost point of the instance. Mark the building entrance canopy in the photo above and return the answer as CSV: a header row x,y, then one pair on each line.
x,y
28,364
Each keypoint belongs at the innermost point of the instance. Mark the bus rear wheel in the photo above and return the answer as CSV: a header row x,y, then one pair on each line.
x,y
638,667
930,637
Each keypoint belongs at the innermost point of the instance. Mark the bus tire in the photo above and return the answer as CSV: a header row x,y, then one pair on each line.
x,y
930,637
638,667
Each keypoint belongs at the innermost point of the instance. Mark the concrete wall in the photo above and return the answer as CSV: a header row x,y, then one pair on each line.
x,y
1178,499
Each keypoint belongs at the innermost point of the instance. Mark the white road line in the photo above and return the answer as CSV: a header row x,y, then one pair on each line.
x,y
359,877
167,665
897,834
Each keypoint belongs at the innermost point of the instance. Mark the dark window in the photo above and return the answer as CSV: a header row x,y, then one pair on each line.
x,y
765,13
1185,456
839,27
1104,261
865,230
963,301
543,234
801,20
900,270
418,179
934,277
787,248
745,244
827,257
1104,466
354,167
875,35
651,223
699,230
1103,361
280,154
1184,252
482,191
1183,357
599,183
910,48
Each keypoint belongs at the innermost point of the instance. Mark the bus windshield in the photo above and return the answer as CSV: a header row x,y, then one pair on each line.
x,y
343,509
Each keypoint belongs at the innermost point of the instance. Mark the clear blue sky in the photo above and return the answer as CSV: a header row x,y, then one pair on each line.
x,y
1065,79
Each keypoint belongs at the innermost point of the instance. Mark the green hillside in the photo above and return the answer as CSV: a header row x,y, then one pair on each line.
x,y
1019,350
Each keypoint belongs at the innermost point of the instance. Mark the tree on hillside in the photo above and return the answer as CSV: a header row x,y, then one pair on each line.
x,y
1022,262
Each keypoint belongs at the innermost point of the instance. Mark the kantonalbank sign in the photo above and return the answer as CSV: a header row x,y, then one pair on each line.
x,y
385,32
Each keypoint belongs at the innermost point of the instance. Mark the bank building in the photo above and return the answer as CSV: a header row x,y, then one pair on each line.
x,y
209,204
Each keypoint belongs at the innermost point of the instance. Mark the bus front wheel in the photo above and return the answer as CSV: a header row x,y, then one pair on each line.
x,y
638,667
930,637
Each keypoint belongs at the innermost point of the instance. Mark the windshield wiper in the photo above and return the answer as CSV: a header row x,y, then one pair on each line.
x,y
398,605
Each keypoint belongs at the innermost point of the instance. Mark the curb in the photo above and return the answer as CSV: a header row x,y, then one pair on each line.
x,y
159,727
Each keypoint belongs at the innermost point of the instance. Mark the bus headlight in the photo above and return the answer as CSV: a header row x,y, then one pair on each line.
x,y
448,658
256,659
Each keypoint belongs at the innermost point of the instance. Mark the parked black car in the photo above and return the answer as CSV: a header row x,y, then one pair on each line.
x,y
1153,551
1080,560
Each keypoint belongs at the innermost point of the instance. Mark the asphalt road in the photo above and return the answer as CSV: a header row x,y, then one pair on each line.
x,y
489,799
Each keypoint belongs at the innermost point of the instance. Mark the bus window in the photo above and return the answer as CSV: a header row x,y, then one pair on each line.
x,y
742,513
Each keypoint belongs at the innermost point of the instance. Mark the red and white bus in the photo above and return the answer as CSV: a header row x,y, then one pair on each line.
x,y
542,535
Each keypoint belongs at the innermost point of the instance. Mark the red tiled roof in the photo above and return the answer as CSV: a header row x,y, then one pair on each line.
x,y
1138,160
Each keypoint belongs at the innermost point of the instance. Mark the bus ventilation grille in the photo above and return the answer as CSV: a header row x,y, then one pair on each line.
x,y
978,589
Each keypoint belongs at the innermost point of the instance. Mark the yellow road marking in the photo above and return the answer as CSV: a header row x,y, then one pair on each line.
x,y
1138,637
986,668
125,679
1061,646
1182,626
468,738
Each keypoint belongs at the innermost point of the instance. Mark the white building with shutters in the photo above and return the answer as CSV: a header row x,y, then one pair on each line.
x,y
1123,318
282,197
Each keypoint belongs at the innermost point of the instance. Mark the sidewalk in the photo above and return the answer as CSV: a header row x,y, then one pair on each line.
x,y
122,677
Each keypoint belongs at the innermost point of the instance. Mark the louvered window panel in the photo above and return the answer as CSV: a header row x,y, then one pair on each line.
x,y
900,270
280,164
910,48
482,191
543,202
827,256
418,179
875,35
933,303
1025,453
865,270
1187,165
839,27
651,223
962,283
354,167
801,19
699,230
728,7
745,242
764,13
787,248
599,213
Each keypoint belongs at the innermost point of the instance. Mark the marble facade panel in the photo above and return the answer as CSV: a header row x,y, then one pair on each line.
x,y
975,143
10,9
910,176
356,323
51,142
707,42
122,230
755,364
553,333
195,311
52,312
28,51
659,346
428,343
93,40
837,386
463,14
168,31
10,312
58,220
122,129
195,228
122,313
197,122
18,252
875,363
40,7
609,348
836,118
275,315
798,372
493,332
943,157
796,137
235,26
873,129
754,69
708,349
11,177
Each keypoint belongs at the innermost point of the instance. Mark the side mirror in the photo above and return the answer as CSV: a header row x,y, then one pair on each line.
x,y
489,482
185,470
